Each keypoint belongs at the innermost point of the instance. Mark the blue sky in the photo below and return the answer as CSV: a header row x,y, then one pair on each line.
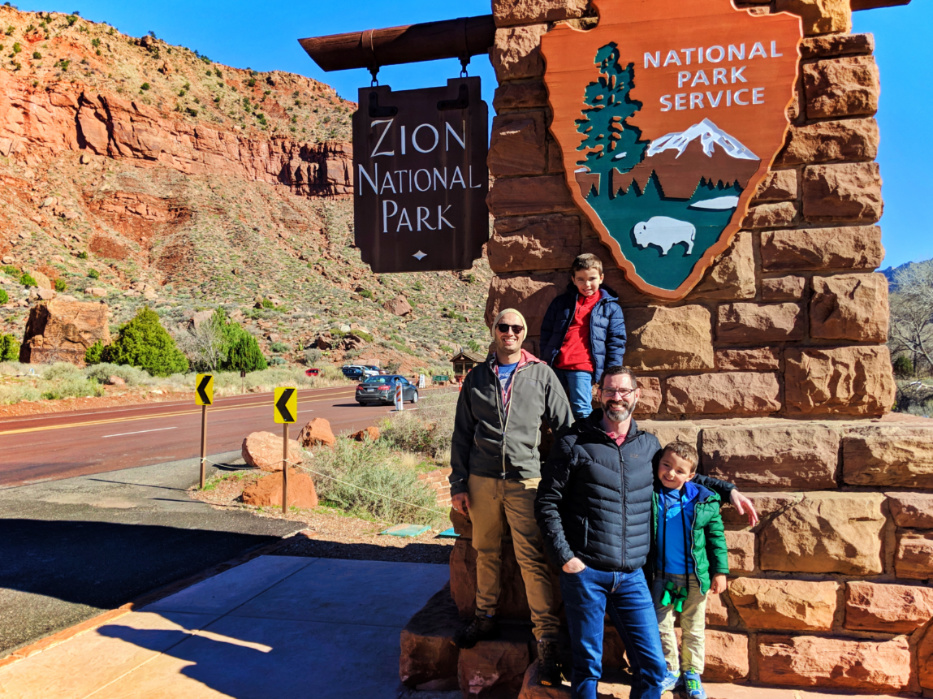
x,y
263,36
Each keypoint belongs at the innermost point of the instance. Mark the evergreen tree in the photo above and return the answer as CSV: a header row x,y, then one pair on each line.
x,y
609,140
9,349
243,353
144,343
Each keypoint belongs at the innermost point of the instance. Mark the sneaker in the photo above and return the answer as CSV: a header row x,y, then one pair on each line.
x,y
482,628
671,682
548,665
693,685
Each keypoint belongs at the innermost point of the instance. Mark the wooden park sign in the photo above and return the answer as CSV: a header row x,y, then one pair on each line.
x,y
669,114
419,160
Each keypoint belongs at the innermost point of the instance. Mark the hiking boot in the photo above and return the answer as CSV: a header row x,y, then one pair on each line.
x,y
548,665
482,628
671,682
693,686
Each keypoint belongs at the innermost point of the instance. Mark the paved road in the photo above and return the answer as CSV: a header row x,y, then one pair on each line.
x,y
72,548
63,445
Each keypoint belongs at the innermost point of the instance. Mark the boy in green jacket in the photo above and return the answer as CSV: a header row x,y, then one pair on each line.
x,y
690,559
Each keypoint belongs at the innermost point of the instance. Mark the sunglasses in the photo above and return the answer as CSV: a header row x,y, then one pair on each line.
x,y
505,327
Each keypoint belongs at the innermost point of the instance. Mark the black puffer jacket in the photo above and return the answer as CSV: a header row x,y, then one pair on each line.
x,y
594,500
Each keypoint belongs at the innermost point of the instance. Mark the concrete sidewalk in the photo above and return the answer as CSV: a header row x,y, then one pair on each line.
x,y
274,626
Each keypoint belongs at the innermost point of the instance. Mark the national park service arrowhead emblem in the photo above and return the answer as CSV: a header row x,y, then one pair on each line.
x,y
669,114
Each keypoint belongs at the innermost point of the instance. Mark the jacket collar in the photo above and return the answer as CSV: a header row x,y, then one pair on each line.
x,y
525,358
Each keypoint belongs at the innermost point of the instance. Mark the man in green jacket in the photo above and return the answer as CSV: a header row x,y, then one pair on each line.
x,y
496,469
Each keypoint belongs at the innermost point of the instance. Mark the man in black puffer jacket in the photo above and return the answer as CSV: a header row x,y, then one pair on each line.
x,y
594,510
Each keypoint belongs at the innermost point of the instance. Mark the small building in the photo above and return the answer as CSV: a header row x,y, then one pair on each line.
x,y
463,361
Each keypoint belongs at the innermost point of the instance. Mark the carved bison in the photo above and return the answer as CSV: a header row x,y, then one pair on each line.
x,y
665,233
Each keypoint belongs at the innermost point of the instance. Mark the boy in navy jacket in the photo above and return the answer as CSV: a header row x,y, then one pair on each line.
x,y
583,332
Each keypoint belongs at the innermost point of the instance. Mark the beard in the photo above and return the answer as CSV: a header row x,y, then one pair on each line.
x,y
620,415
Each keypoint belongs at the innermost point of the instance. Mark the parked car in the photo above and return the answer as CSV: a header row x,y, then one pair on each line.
x,y
312,371
381,389
357,371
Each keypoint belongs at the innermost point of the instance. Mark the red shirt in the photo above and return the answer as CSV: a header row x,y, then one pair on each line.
x,y
575,352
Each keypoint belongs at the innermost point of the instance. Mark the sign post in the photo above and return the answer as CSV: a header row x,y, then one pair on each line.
x,y
286,412
204,396
419,168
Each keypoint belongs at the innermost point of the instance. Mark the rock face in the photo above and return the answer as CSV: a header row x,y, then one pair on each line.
x,y
61,331
493,669
808,661
398,306
845,380
428,655
850,307
736,393
802,457
914,556
887,608
267,491
791,605
889,456
913,510
668,339
317,433
263,450
826,533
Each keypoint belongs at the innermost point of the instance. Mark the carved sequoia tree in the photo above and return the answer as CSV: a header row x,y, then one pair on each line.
x,y
609,141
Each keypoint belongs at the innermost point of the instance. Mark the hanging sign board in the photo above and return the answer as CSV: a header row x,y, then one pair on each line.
x,y
668,115
419,164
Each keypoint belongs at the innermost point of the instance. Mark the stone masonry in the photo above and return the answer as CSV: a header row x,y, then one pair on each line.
x,y
775,366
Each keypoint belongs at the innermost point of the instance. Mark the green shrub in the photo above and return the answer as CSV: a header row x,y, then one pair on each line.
x,y
132,375
72,388
4,297
82,255
266,303
243,353
144,343
62,371
903,367
278,347
36,55
365,479
366,293
144,86
60,285
95,353
27,280
93,274
17,47
9,348
11,270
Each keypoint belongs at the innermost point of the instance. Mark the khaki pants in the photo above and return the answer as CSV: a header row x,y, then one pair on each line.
x,y
692,625
493,502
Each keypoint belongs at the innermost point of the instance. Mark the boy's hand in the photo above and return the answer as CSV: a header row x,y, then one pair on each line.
x,y
461,503
719,584
573,566
744,506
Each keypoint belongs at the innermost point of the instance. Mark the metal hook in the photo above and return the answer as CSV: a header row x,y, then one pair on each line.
x,y
464,62
374,71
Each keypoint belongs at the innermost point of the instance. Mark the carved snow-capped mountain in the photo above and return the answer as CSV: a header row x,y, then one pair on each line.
x,y
709,136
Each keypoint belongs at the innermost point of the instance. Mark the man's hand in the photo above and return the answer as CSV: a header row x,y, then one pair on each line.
x,y
744,506
461,503
719,584
574,566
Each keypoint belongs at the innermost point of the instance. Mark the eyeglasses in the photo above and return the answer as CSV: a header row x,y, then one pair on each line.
x,y
620,392
505,327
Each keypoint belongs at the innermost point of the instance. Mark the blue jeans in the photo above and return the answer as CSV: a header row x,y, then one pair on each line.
x,y
588,595
579,388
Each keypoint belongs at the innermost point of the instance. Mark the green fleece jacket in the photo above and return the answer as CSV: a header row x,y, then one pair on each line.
x,y
709,551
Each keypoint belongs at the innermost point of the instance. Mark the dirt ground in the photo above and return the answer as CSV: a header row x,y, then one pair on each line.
x,y
114,396
330,533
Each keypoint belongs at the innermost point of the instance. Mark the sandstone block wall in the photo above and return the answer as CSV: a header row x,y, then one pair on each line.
x,y
775,366
792,319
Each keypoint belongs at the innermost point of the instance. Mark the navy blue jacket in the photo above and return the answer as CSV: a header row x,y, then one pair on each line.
x,y
594,499
607,329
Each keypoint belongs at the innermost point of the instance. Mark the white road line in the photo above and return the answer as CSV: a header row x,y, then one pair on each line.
x,y
125,434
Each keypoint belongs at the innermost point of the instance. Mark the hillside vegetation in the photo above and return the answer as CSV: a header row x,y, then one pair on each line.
x,y
144,174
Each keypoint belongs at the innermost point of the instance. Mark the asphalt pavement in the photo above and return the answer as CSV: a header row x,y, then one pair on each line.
x,y
73,548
